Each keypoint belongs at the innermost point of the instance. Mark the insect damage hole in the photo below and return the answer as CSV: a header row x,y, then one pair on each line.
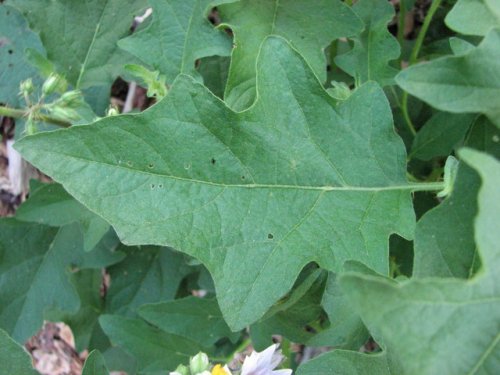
x,y
213,161
270,236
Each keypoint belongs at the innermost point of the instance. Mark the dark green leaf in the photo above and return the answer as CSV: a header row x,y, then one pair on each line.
x,y
154,349
179,34
198,319
148,274
13,359
95,365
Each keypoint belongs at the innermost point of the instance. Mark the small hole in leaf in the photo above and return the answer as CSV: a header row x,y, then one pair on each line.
x,y
152,186
242,177
10,52
213,161
151,165
270,236
160,186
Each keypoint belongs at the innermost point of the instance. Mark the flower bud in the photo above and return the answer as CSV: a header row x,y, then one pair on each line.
x,y
71,99
181,370
64,113
27,87
199,363
51,84
112,111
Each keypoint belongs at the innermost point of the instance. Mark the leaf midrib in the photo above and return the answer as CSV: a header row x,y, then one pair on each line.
x,y
325,188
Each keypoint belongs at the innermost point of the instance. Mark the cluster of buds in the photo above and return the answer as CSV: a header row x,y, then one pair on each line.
x,y
257,363
64,108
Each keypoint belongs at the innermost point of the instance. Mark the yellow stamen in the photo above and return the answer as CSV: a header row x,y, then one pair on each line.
x,y
219,370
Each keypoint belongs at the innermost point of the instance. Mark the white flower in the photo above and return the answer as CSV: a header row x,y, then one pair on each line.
x,y
264,362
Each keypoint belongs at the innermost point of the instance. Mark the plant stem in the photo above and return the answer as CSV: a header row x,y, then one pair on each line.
x,y
401,27
428,186
413,59
20,113
423,31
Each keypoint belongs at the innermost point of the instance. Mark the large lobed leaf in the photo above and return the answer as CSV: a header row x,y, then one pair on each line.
x,y
178,35
474,17
437,326
256,195
309,26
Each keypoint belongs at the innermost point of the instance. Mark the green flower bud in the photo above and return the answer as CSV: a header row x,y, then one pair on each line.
x,y
71,99
112,111
51,84
64,113
27,87
181,370
199,363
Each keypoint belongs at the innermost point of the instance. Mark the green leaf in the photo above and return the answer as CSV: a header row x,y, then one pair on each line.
x,y
13,358
15,37
454,323
95,365
80,36
460,84
34,274
474,17
346,330
214,71
249,194
148,274
440,135
349,363
50,204
291,317
154,349
197,319
444,238
179,34
254,20
374,47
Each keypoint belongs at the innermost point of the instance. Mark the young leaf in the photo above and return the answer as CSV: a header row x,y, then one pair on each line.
x,y
454,323
254,195
14,360
253,20
179,34
460,84
197,319
15,37
374,47
80,36
95,365
148,274
154,349
474,17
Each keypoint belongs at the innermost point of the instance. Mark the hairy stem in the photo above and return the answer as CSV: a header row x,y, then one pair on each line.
x,y
21,113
